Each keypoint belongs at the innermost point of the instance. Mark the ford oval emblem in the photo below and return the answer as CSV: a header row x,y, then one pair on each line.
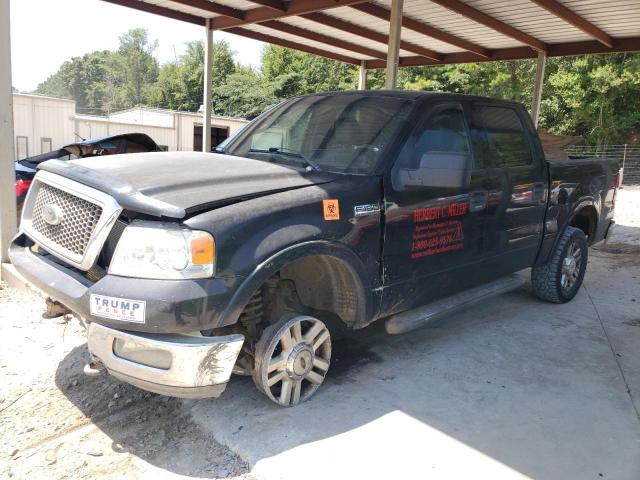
x,y
52,214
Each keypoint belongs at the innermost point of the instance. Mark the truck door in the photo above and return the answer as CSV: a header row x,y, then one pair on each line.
x,y
504,138
434,232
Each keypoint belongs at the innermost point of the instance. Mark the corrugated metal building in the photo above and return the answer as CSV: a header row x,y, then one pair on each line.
x,y
42,124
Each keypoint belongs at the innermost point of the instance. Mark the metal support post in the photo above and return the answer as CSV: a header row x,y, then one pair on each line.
x,y
8,226
537,87
208,67
393,53
362,77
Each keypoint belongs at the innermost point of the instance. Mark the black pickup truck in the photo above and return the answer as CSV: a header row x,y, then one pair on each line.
x,y
328,210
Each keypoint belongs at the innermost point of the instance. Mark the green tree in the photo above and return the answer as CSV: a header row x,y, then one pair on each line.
x,y
91,80
139,66
223,63
180,83
306,73
596,96
244,94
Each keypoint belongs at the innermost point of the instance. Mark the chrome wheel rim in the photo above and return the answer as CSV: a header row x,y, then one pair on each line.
x,y
297,360
571,265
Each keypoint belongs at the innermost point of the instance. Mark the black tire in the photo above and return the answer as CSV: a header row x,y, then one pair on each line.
x,y
551,281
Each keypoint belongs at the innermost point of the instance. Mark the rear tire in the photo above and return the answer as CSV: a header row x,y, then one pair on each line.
x,y
559,280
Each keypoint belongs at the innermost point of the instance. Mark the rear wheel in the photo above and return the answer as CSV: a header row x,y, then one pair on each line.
x,y
292,358
560,279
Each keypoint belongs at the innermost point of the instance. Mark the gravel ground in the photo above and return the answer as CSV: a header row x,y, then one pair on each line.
x,y
57,423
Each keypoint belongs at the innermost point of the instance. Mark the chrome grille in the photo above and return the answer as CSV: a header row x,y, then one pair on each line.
x,y
79,221
68,219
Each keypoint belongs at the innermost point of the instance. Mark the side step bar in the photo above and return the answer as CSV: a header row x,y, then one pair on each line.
x,y
412,319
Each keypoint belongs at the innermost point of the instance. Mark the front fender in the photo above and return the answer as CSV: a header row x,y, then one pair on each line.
x,y
277,261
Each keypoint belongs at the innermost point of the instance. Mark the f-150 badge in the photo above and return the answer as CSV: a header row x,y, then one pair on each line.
x,y
362,210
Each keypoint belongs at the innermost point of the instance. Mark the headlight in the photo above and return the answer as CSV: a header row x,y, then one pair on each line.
x,y
163,251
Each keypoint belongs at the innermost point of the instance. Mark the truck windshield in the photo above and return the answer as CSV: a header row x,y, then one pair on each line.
x,y
339,133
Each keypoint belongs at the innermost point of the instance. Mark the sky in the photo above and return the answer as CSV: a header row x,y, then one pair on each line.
x,y
46,33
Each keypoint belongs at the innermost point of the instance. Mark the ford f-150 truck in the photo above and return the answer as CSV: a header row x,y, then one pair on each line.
x,y
330,209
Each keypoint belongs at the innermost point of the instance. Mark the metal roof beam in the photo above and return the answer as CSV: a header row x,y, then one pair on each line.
x,y
158,10
263,14
273,4
491,22
340,24
428,30
295,46
516,53
575,20
318,37
212,7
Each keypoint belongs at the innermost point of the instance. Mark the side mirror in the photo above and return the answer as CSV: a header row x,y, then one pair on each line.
x,y
439,170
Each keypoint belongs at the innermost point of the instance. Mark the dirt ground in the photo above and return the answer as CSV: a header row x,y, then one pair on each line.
x,y
57,423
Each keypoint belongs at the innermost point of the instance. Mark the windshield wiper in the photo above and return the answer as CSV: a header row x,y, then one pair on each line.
x,y
288,152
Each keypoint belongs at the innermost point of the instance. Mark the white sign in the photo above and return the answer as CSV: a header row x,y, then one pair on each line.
x,y
116,308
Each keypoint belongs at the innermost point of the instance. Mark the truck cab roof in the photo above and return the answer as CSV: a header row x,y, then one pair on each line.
x,y
417,95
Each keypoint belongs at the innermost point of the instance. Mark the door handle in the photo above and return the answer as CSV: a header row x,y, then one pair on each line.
x,y
478,200
538,192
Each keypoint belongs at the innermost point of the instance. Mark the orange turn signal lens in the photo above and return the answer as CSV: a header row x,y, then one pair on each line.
x,y
203,249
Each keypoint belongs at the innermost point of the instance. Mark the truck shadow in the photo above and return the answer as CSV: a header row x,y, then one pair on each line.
x,y
498,387
157,429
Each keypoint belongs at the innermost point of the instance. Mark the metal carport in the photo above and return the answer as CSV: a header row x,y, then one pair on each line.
x,y
374,34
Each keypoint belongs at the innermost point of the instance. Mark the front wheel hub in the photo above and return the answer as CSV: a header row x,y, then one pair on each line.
x,y
300,361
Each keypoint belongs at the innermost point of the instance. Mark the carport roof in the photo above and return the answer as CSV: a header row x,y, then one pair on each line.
x,y
433,31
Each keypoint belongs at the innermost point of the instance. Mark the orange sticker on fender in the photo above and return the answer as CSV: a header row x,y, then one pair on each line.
x,y
331,209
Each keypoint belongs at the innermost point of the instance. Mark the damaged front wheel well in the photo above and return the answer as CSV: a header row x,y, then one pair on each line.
x,y
326,283
322,285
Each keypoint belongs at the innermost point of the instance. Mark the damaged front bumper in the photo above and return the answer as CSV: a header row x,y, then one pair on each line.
x,y
160,354
169,364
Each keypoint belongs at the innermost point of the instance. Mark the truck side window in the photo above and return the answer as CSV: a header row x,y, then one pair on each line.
x,y
444,132
506,141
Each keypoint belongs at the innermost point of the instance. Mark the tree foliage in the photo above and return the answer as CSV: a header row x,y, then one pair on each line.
x,y
105,81
596,96
91,80
139,66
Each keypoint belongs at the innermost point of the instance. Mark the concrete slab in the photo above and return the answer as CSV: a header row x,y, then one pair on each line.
x,y
516,387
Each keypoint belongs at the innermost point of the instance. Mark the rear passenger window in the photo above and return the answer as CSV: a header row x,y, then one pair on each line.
x,y
506,144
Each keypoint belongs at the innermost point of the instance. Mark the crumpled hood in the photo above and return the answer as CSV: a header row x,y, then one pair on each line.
x,y
173,184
